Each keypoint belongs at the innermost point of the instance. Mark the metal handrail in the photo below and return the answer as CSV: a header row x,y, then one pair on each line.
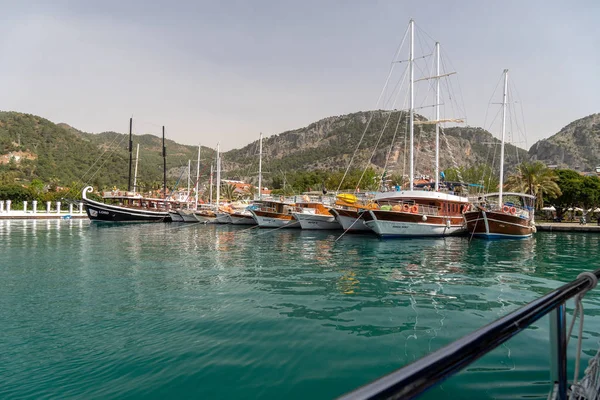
x,y
414,379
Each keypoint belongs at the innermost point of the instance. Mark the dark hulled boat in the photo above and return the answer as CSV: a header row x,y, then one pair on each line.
x,y
502,215
129,206
124,207
513,219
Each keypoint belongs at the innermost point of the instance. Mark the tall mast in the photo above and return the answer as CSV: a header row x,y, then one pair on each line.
x,y
260,166
504,102
218,174
137,157
164,154
197,178
412,99
130,153
187,200
437,116
211,182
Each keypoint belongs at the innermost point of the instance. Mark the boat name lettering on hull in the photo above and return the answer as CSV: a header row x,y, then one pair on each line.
x,y
400,226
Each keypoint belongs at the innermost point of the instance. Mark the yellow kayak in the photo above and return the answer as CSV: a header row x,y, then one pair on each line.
x,y
347,197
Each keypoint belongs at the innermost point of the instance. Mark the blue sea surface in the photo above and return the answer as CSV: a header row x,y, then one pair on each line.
x,y
132,311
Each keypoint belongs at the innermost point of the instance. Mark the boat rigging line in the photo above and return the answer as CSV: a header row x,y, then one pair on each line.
x,y
381,94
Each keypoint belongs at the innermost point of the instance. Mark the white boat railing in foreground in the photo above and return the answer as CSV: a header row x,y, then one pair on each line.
x,y
414,379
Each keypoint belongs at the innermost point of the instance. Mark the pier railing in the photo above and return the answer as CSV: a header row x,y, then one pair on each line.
x,y
6,208
414,379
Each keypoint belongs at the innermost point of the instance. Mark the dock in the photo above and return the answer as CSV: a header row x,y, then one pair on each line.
x,y
6,212
567,227
30,215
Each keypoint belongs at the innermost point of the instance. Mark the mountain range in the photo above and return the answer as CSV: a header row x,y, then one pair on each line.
x,y
32,147
576,146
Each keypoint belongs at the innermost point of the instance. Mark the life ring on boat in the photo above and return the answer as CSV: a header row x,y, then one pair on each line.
x,y
513,210
119,193
405,208
505,209
414,209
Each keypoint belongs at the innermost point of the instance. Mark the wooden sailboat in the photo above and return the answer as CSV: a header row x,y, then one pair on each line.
x,y
124,207
128,206
502,215
244,216
347,211
189,215
274,214
312,213
222,216
412,213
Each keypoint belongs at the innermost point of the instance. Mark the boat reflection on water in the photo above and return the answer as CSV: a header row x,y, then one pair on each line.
x,y
348,283
416,289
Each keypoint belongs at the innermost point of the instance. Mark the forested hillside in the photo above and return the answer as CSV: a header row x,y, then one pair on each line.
x,y
331,143
32,147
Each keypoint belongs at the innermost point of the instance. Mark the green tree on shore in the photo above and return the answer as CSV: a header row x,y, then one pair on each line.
x,y
536,179
576,191
480,174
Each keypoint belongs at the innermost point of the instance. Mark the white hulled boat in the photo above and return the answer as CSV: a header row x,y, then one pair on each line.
x,y
275,214
412,213
313,214
417,213
347,211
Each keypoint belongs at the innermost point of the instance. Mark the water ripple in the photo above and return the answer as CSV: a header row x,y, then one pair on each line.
x,y
154,311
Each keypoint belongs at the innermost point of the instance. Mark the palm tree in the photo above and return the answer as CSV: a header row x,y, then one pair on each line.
x,y
228,191
247,193
536,179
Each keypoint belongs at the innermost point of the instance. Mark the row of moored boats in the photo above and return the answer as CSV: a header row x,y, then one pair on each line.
x,y
403,213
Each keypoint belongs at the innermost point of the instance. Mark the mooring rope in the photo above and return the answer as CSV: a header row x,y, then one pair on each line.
x,y
586,387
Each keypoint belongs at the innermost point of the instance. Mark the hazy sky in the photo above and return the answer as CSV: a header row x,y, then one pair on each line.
x,y
227,70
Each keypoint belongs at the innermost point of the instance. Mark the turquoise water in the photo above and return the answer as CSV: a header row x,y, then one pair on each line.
x,y
93,310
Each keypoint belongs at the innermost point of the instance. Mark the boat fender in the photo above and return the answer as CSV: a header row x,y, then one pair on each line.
x,y
513,210
505,209
447,223
281,198
414,209
424,218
